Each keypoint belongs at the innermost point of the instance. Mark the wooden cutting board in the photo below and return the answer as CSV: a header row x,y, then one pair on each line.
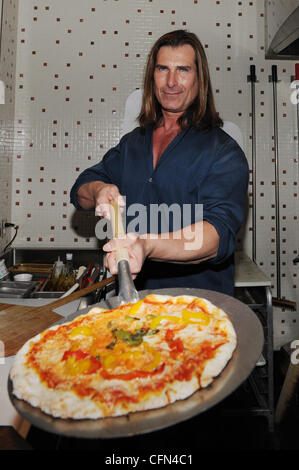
x,y
18,323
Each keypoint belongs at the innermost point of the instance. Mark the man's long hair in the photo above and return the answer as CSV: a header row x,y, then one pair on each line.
x,y
201,112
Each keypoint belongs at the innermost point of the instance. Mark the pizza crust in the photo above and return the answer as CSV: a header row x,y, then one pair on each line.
x,y
67,404
28,387
62,404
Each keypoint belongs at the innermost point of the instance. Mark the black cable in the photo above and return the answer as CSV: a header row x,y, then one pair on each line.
x,y
13,238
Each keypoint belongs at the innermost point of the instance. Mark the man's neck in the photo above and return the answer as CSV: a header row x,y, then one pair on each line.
x,y
169,122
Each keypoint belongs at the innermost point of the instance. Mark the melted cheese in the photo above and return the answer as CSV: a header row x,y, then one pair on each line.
x,y
173,337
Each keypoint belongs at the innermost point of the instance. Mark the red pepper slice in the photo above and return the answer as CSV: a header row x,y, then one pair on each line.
x,y
78,354
169,335
177,345
95,365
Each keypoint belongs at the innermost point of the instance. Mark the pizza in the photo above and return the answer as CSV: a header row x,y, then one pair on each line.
x,y
138,356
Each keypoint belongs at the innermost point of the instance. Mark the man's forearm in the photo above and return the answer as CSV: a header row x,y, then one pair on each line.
x,y
86,195
190,245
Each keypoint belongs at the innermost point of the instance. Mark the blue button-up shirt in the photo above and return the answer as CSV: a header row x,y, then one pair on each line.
x,y
205,168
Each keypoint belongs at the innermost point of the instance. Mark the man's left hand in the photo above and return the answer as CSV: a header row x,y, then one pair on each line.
x,y
136,251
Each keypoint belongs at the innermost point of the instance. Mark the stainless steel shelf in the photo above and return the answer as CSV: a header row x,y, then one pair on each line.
x,y
253,288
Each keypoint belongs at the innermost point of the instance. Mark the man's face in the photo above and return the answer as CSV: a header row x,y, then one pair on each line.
x,y
175,78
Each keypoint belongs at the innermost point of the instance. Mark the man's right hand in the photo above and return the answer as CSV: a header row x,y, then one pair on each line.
x,y
104,196
99,195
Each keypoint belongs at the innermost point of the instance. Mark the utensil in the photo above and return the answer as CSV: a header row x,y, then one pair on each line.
x,y
18,323
296,78
85,278
127,292
252,79
277,300
101,293
250,343
297,97
95,274
292,376
91,280
76,285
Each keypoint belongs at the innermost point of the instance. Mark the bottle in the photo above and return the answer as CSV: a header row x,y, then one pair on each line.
x,y
70,273
56,275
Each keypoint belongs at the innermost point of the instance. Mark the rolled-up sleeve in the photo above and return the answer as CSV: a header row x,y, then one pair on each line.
x,y
107,170
223,196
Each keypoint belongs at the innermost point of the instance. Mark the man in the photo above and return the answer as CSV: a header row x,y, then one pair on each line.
x,y
178,155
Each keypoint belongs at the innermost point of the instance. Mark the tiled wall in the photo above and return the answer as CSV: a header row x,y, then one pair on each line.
x,y
76,64
7,110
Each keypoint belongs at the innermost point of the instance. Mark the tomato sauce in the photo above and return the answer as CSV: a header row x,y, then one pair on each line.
x,y
82,388
187,368
132,375
116,396
78,354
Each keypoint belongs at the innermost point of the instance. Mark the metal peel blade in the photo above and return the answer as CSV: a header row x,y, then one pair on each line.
x,y
127,292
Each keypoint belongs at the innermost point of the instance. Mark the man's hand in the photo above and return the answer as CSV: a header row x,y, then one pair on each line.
x,y
136,250
171,249
104,196
99,195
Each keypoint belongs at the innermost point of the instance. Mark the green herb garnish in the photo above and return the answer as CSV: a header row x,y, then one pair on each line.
x,y
132,339
112,344
152,332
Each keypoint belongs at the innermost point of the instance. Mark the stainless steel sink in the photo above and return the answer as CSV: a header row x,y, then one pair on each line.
x,y
17,256
46,295
14,289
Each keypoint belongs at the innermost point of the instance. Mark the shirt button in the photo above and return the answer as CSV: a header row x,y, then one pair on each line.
x,y
150,180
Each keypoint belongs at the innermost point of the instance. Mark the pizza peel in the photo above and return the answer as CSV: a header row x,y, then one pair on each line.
x,y
126,288
18,323
250,344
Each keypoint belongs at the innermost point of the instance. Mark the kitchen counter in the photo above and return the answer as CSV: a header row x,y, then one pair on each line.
x,y
247,273
9,415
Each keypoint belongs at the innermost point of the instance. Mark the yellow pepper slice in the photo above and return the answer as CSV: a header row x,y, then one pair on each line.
x,y
135,307
75,367
113,360
201,317
80,330
156,321
156,358
187,316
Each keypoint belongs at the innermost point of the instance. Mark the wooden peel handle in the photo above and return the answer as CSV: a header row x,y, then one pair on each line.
x,y
118,231
79,293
